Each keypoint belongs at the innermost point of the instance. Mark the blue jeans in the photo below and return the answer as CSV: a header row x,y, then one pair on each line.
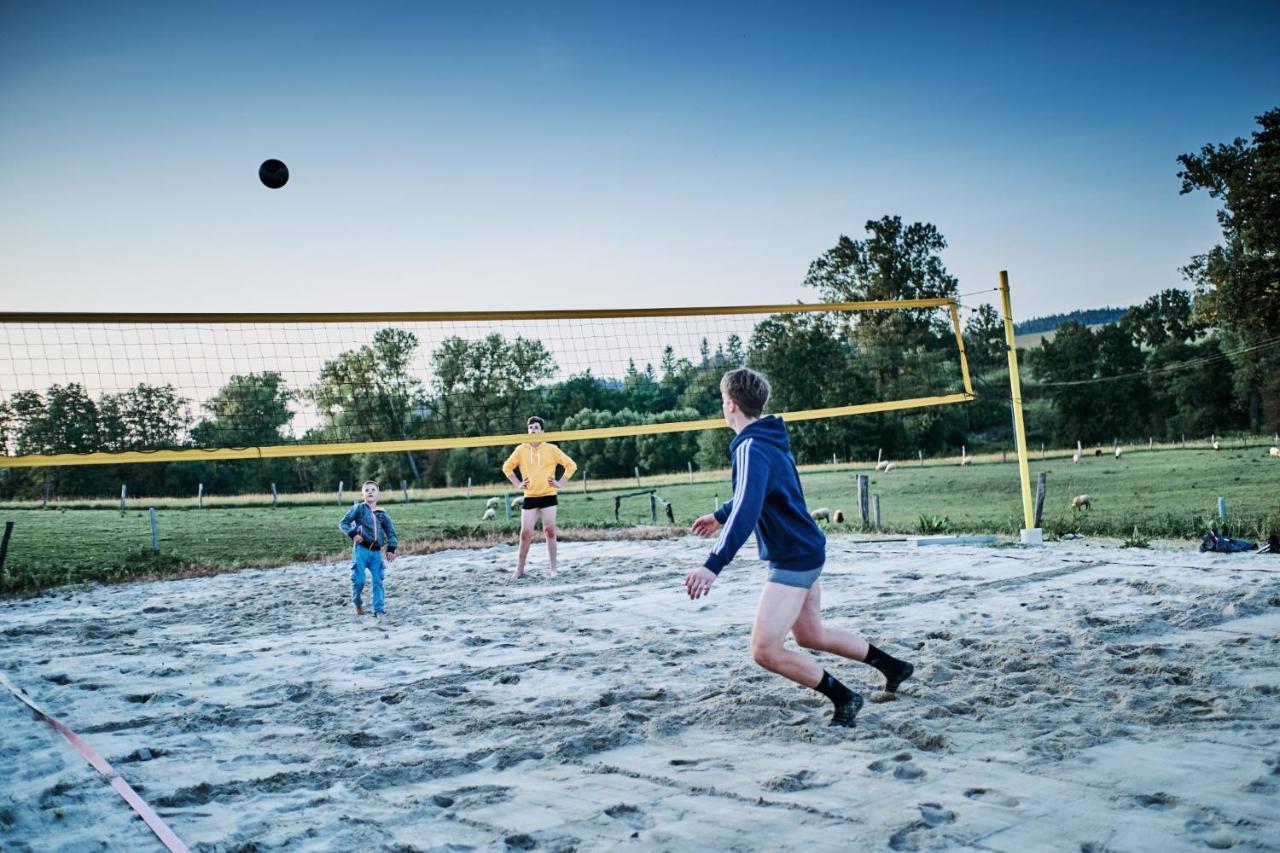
x,y
372,560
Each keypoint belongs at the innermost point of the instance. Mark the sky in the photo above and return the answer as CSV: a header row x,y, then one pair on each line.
x,y
605,155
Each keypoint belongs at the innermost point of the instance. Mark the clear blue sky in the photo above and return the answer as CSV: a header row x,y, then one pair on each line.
x,y
462,156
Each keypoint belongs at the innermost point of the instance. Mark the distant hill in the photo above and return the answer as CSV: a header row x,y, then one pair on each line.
x,y
1086,317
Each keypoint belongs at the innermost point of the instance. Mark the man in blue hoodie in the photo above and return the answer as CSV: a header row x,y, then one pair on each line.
x,y
768,501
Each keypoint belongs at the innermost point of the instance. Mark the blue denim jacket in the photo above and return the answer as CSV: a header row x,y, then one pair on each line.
x,y
363,520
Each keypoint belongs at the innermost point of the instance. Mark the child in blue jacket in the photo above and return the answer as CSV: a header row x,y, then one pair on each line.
x,y
768,501
371,530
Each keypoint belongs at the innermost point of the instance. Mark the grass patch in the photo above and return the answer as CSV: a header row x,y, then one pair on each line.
x,y
1170,493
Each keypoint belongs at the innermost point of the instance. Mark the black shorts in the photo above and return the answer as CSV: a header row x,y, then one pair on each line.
x,y
541,502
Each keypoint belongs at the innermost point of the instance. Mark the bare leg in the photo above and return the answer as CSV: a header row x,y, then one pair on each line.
x,y
812,634
549,530
527,518
780,606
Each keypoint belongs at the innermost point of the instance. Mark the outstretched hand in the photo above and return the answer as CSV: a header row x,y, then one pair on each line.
x,y
706,525
698,582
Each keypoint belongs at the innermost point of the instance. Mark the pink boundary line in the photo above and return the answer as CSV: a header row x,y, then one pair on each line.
x,y
158,826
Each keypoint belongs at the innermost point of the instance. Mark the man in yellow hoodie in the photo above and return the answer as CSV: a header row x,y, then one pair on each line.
x,y
537,461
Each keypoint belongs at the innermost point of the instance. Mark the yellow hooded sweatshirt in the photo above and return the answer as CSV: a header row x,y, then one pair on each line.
x,y
537,464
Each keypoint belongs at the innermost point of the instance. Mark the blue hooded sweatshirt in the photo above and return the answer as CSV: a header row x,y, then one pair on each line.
x,y
767,499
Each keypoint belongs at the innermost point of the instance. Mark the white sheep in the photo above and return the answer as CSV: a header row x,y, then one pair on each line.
x,y
883,465
1274,452
490,514
1082,502
1119,451
1217,445
517,502
493,503
824,514
889,466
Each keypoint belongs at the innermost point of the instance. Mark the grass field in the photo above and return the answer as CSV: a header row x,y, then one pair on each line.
x,y
1168,493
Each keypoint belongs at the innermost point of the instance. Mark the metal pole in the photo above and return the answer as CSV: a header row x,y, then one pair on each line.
x,y
155,532
273,495
200,496
1015,387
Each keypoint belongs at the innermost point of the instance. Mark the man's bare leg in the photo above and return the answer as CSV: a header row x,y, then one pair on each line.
x,y
811,633
549,530
527,519
779,609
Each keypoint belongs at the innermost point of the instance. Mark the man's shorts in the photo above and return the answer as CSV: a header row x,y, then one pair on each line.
x,y
788,577
541,502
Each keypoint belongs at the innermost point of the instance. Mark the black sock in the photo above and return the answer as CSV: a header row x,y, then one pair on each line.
x,y
895,671
834,690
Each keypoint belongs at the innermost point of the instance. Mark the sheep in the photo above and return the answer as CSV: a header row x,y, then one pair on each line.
x,y
1274,452
889,466
1082,502
1217,445
490,514
883,465
517,502
1119,451
965,458
493,503
824,514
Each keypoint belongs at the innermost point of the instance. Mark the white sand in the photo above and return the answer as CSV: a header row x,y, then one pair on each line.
x,y
1073,697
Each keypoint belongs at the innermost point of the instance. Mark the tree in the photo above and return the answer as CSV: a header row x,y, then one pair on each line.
x,y
984,338
1238,281
895,262
368,394
145,417
249,411
489,385
1066,365
1165,318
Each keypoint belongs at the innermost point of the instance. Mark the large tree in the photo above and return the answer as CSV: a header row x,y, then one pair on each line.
x,y
1238,281
894,262
369,394
488,385
249,411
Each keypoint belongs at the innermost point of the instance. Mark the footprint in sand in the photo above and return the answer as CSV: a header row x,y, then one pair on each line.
x,y
900,765
932,815
1159,801
630,815
989,795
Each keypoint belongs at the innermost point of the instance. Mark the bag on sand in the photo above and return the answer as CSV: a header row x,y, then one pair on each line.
x,y
1213,542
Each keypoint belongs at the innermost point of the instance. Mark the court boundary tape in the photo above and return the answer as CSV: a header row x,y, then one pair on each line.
x,y
130,796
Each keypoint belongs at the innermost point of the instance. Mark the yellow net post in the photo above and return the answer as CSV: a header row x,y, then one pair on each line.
x,y
1031,534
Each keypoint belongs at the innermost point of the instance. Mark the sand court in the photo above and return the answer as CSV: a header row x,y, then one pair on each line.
x,y
1076,697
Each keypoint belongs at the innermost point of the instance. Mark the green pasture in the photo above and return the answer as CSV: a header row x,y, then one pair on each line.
x,y
1169,493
